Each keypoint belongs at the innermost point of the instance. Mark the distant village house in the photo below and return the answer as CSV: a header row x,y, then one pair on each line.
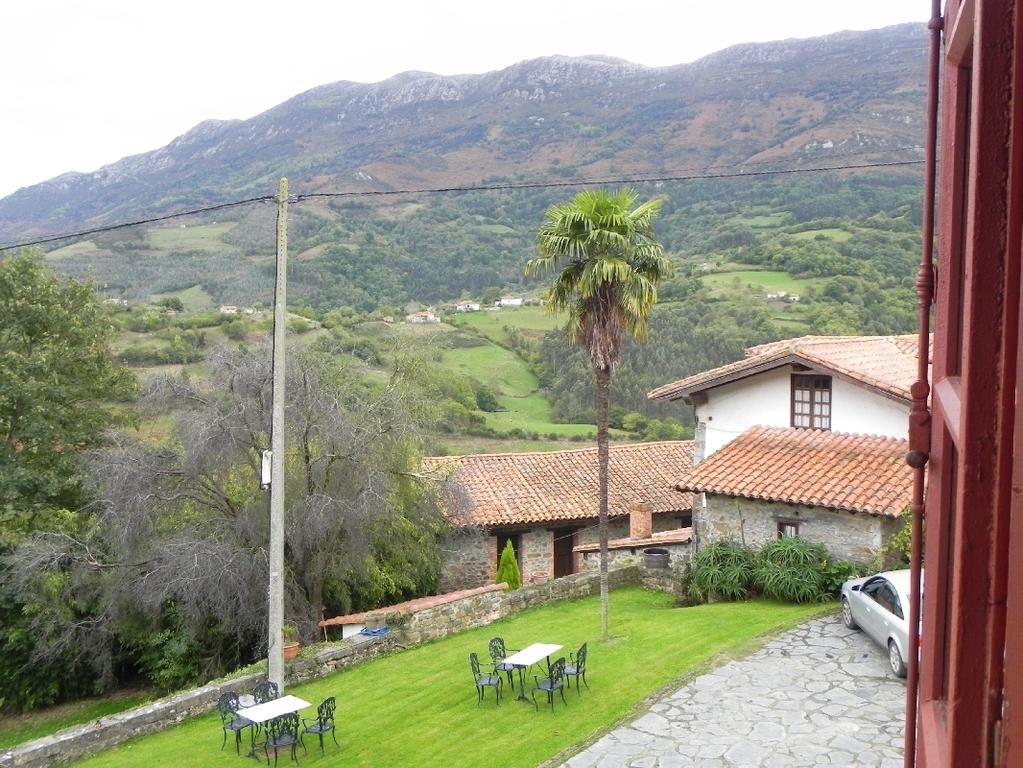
x,y
510,301
228,309
467,306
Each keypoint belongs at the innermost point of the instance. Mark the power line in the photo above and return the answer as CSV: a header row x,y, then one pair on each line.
x,y
592,182
126,224
472,188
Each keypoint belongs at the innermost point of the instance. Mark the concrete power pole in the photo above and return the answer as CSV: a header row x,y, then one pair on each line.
x,y
275,624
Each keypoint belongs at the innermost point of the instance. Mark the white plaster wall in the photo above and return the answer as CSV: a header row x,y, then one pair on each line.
x,y
766,400
858,409
733,408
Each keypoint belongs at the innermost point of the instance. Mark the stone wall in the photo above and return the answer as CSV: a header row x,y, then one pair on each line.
x,y
847,535
677,551
537,553
439,621
469,560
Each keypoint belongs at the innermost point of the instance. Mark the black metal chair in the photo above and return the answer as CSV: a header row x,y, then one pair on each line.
x,y
483,681
282,732
324,722
230,721
265,691
555,681
498,653
577,668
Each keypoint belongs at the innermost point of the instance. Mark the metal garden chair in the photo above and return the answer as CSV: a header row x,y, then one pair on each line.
x,y
230,721
265,691
555,681
282,732
577,668
483,681
498,653
324,722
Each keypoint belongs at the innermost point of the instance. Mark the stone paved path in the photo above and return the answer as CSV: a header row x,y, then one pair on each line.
x,y
819,695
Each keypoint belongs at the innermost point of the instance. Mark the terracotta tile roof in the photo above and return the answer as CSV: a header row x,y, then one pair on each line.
x,y
884,363
677,536
859,473
516,488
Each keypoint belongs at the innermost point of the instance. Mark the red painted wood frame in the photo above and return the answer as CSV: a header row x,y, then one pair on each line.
x,y
975,368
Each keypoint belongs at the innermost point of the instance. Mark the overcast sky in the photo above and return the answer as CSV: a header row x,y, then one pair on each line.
x,y
86,82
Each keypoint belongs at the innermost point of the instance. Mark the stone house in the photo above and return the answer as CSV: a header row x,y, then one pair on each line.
x,y
845,491
803,437
545,504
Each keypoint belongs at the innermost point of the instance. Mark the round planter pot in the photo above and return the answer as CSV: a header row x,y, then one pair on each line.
x,y
655,557
291,650
539,578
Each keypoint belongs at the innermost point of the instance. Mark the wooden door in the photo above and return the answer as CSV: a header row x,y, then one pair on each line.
x,y
564,558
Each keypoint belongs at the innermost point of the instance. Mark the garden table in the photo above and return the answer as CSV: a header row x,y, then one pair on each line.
x,y
526,658
268,710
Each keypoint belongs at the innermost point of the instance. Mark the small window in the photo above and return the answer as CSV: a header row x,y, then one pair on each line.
x,y
788,529
811,402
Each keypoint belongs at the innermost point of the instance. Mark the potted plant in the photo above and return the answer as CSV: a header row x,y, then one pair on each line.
x,y
291,644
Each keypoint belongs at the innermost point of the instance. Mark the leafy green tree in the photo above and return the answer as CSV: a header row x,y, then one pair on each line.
x,y
610,264
508,568
171,302
57,382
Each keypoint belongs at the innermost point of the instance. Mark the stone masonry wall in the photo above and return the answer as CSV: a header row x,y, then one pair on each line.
x,y
476,610
469,560
537,553
680,551
847,535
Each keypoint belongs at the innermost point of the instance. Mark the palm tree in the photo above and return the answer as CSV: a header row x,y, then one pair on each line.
x,y
610,264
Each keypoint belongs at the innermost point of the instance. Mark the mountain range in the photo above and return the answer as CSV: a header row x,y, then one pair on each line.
x,y
846,98
792,100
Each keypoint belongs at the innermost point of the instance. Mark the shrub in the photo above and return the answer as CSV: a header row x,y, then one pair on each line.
x,y
796,571
723,569
508,568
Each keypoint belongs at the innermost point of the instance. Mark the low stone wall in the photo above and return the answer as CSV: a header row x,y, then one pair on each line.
x,y
406,629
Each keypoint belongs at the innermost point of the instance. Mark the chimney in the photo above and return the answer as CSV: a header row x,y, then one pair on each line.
x,y
640,524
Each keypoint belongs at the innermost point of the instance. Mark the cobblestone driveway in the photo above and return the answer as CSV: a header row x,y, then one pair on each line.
x,y
819,695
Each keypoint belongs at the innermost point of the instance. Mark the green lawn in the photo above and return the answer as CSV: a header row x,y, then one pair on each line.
x,y
15,729
767,280
418,707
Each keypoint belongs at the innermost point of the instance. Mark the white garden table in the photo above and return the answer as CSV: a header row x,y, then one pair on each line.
x,y
527,657
268,710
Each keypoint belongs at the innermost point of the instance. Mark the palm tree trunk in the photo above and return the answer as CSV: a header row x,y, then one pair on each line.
x,y
603,376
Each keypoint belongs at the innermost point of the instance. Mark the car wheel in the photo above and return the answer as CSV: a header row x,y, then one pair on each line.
x,y
847,617
895,662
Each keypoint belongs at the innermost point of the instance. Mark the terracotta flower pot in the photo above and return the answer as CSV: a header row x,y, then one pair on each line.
x,y
538,578
290,650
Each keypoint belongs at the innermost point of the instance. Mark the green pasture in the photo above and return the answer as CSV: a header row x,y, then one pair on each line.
x,y
766,280
833,234
81,248
532,320
516,388
418,707
200,237
194,299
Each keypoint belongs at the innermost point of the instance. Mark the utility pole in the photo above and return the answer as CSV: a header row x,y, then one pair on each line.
x,y
275,624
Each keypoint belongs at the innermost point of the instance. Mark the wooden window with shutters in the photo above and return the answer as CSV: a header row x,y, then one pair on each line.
x,y
811,402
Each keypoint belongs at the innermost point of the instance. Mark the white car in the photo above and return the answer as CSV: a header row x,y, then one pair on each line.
x,y
879,605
